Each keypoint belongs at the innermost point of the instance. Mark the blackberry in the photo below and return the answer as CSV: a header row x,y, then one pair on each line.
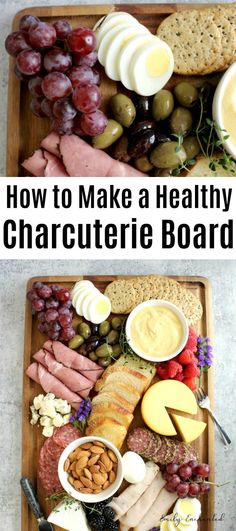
x,y
97,523
108,500
109,514
112,526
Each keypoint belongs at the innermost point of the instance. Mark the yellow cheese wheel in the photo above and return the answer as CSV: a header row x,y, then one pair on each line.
x,y
189,429
162,395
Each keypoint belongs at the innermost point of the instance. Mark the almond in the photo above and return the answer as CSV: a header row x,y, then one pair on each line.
x,y
98,443
73,455
112,456
71,480
93,460
86,490
105,485
102,467
87,473
82,462
73,465
74,474
98,479
83,453
86,482
67,465
105,476
94,469
97,449
112,476
97,490
106,461
86,446
78,484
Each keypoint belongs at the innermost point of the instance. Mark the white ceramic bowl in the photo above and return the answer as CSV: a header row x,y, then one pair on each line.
x,y
217,108
89,498
176,310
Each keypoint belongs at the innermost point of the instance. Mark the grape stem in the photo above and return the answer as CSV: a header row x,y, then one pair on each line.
x,y
217,484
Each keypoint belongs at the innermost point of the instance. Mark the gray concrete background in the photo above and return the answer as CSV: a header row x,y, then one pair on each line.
x,y
8,9
13,278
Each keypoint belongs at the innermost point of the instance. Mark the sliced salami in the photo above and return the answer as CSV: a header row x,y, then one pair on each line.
x,y
65,435
48,465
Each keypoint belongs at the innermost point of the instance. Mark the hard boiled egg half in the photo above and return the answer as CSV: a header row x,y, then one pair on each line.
x,y
90,303
131,54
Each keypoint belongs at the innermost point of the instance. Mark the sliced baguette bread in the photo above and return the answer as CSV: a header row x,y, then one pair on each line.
x,y
123,416
110,429
118,374
127,392
114,398
201,169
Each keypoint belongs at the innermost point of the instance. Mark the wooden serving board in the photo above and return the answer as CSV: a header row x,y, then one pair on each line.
x,y
31,435
26,131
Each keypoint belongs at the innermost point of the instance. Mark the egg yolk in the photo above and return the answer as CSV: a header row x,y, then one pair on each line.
x,y
187,507
101,306
157,62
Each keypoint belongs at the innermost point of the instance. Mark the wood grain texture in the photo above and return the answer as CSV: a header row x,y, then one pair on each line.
x,y
31,435
26,131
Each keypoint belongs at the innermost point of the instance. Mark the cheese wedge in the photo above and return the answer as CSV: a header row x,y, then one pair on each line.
x,y
162,395
189,429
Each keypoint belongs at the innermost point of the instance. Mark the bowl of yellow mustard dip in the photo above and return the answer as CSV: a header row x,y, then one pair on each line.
x,y
224,110
157,330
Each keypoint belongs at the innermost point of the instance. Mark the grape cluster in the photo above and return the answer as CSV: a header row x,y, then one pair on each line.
x,y
188,479
101,517
52,304
57,62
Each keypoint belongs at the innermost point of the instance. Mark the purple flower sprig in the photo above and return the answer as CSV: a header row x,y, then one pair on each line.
x,y
204,354
79,419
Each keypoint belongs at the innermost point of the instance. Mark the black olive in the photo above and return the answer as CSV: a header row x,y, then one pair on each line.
x,y
139,127
94,329
93,342
142,105
161,137
141,143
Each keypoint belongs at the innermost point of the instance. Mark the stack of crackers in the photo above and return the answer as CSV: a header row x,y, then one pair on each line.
x,y
126,294
202,41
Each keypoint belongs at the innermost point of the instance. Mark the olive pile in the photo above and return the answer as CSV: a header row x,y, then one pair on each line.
x,y
99,342
143,131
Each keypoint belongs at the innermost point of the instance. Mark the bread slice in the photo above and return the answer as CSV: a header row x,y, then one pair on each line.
x,y
110,429
109,410
129,377
114,398
127,392
201,169
135,367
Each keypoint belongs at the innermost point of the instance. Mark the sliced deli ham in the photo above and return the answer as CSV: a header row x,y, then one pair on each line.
x,y
73,360
72,379
51,143
35,164
159,509
54,166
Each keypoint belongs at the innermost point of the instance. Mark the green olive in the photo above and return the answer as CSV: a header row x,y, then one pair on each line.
x,y
103,351
112,132
186,94
84,330
181,121
168,155
143,164
116,350
191,146
76,341
113,337
123,109
104,362
117,323
104,328
93,356
162,105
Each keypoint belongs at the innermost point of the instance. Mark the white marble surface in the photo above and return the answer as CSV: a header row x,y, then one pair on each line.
x,y
13,278
8,9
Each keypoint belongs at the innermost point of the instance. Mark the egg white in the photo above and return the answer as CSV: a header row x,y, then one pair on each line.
x,y
124,36
146,83
86,302
108,38
81,297
94,312
79,286
126,54
111,22
179,508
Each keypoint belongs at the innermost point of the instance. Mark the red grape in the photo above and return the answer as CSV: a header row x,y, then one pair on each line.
x,y
202,470
38,284
18,74
63,295
169,487
65,320
47,107
32,295
38,305
63,28
63,109
53,335
192,463
55,288
194,489
36,108
51,315
89,60
34,86
29,62
41,316
52,303
77,129
42,36
43,328
55,327
57,60
205,488
172,468
64,311
174,481
67,304
16,42
185,471
63,127
182,489
93,123
79,75
27,22
56,86
82,40
45,292
86,98
67,334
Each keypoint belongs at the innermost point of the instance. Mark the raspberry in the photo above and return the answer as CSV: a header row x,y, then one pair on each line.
x,y
163,372
179,376
185,357
173,368
191,383
191,371
192,340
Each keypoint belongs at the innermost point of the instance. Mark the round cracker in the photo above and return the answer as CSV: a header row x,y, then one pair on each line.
x,y
194,39
229,13
228,42
122,296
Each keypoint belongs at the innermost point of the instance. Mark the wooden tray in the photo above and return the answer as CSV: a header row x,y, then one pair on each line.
x,y
25,131
32,437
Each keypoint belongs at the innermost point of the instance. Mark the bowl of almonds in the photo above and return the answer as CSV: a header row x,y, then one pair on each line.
x,y
90,469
